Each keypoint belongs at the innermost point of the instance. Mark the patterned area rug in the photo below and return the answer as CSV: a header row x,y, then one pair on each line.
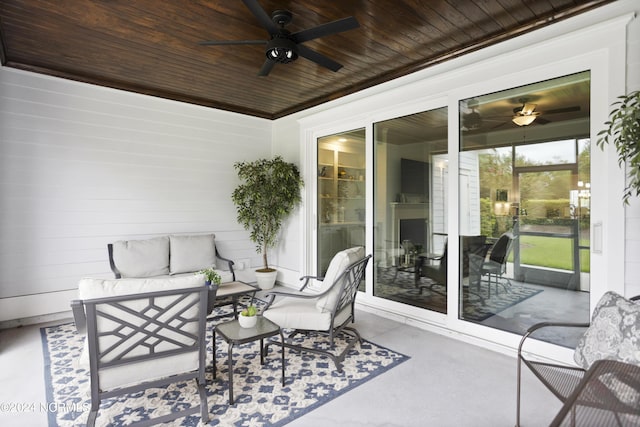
x,y
476,307
261,400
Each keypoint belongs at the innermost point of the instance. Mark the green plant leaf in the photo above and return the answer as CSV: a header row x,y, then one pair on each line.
x,y
268,193
623,131
249,311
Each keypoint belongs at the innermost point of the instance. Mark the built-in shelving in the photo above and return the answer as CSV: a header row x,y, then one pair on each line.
x,y
340,195
340,186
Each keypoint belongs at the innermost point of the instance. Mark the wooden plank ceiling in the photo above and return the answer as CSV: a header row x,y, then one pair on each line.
x,y
151,46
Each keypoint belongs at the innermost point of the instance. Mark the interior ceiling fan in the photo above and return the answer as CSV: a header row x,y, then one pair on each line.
x,y
523,115
526,114
471,119
283,46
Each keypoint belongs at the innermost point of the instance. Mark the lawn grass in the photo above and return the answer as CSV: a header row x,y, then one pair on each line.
x,y
552,252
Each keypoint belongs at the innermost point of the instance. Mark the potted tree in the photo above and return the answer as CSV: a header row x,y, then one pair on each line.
x,y
268,193
623,130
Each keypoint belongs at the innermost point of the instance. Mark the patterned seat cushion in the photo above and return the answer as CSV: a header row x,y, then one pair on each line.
x,y
614,332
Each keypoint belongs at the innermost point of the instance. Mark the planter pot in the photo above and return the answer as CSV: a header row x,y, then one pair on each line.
x,y
247,321
266,278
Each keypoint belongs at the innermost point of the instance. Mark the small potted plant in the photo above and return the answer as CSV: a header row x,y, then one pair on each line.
x,y
212,276
248,317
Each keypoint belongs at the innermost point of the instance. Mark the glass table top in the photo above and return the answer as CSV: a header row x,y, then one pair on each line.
x,y
232,331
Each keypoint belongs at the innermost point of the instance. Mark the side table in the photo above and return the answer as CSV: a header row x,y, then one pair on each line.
x,y
234,334
233,290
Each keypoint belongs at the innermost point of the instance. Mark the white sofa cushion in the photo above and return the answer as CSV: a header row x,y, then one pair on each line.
x,y
225,275
191,253
142,258
121,376
339,263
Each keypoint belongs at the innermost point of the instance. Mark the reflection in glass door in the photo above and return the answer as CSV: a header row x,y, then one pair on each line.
x,y
411,163
341,195
527,260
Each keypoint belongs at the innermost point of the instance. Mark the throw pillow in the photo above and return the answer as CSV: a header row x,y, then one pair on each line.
x,y
614,332
192,253
142,258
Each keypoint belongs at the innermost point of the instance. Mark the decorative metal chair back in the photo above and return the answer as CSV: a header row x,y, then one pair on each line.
x,y
139,341
349,281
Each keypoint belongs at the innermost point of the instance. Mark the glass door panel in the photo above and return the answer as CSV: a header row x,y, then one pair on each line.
x,y
410,160
341,195
524,206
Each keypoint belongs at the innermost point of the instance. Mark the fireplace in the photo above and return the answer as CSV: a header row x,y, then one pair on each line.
x,y
410,221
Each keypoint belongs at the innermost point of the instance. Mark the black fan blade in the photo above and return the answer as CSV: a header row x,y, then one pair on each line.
x,y
261,15
563,110
541,121
334,27
318,58
266,68
230,42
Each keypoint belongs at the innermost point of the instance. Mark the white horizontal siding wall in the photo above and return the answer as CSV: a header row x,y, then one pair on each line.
x,y
81,166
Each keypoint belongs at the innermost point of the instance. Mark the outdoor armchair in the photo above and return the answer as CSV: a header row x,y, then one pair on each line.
x,y
612,335
143,334
328,312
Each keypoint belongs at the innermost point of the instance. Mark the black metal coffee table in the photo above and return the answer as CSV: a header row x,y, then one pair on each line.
x,y
234,334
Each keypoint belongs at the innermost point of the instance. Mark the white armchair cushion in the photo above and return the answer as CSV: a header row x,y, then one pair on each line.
x,y
339,263
142,258
134,373
191,253
297,313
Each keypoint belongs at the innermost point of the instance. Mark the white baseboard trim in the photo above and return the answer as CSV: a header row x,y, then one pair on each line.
x,y
30,309
288,278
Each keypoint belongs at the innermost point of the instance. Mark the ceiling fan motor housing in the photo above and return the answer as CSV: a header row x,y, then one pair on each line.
x,y
281,17
282,49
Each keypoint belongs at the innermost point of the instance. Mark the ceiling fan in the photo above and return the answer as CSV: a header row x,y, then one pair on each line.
x,y
283,46
526,115
471,119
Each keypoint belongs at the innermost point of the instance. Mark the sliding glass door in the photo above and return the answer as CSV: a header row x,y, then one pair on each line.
x,y
410,216
524,206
